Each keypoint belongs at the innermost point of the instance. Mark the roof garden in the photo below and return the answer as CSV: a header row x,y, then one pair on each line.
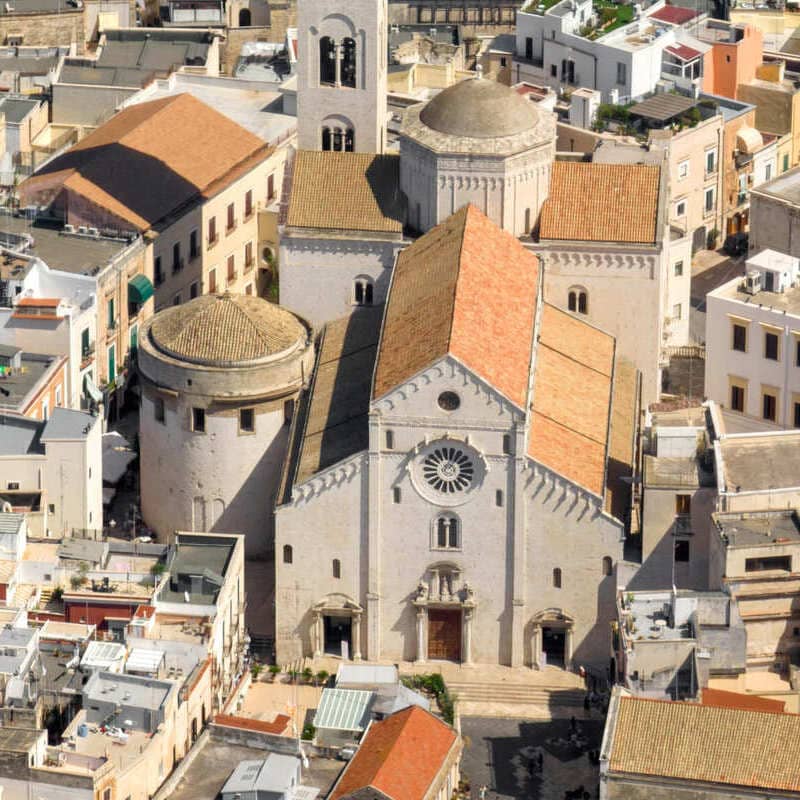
x,y
610,16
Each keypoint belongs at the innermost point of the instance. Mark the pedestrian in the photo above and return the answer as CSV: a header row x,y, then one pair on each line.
x,y
573,724
541,760
531,766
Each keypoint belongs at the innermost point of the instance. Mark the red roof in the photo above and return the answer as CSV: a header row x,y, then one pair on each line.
x,y
277,726
683,52
450,294
746,702
39,302
674,15
399,756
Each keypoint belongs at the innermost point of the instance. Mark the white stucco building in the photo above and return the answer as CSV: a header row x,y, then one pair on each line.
x,y
753,341
52,471
624,63
453,489
220,376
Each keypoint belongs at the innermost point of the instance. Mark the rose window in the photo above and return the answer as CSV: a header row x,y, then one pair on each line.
x,y
448,469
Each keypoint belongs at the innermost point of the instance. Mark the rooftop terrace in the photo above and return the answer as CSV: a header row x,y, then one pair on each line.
x,y
760,462
760,528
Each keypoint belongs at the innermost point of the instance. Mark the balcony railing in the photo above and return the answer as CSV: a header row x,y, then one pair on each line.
x,y
682,525
178,265
741,198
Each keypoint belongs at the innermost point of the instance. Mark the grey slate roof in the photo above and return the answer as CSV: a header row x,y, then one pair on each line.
x,y
16,109
274,775
83,550
19,435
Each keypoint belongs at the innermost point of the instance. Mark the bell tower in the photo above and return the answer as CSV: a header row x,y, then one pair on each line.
x,y
342,73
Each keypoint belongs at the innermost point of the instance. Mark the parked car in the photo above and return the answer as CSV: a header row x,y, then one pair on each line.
x,y
736,244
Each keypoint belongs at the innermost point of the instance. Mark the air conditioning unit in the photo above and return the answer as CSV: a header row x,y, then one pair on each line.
x,y
83,229
752,282
69,228
94,232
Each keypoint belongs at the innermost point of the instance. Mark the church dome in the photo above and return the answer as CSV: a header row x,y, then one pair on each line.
x,y
220,329
480,109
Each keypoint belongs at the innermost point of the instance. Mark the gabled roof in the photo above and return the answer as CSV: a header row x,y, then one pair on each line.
x,y
468,289
683,52
691,742
571,398
346,192
151,159
593,202
399,757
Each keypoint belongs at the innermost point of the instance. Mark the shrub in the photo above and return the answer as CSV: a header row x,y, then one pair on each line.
x,y
322,676
308,674
255,671
308,732
274,669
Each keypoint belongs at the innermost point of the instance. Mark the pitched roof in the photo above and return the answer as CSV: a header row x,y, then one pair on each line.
x,y
691,742
571,397
384,760
747,702
683,52
466,288
346,191
594,202
151,159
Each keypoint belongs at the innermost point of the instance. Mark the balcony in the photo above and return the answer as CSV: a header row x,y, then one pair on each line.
x,y
741,198
212,240
682,525
87,355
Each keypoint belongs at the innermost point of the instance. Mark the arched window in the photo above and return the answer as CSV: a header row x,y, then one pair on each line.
x,y
349,141
337,139
287,554
362,292
607,565
348,68
557,578
327,61
447,532
244,18
578,300
327,138
337,568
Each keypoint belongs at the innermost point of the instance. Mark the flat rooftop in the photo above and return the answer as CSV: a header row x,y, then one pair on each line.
x,y
18,385
128,690
787,302
785,187
678,472
16,109
761,462
37,6
18,740
80,254
753,529
207,559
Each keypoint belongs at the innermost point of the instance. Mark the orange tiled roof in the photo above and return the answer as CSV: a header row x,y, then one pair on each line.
x,y
466,288
747,702
591,202
399,756
571,397
150,159
691,742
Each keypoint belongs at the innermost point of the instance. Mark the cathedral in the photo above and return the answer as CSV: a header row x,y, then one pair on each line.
x,y
455,487
457,484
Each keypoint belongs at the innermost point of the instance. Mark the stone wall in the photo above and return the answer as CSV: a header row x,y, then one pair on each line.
x,y
45,30
281,17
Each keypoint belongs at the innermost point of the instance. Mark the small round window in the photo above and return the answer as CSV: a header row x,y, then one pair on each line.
x,y
449,401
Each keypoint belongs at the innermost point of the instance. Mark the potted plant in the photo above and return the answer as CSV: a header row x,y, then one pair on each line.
x,y
293,675
322,677
255,671
308,674
274,671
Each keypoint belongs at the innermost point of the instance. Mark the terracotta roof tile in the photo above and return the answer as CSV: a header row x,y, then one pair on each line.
x,y
571,395
746,702
601,203
466,288
399,756
675,15
150,159
346,191
691,742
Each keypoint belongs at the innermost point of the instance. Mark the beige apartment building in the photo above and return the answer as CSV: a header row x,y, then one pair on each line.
x,y
181,176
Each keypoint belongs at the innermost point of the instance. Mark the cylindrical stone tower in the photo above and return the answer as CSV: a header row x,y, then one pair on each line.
x,y
220,376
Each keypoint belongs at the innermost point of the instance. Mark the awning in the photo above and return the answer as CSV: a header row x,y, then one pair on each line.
x,y
91,390
140,289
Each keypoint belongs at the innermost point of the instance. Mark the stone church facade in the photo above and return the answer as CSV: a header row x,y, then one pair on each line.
x,y
453,489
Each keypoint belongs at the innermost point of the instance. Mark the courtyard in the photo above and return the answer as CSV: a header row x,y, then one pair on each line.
x,y
505,755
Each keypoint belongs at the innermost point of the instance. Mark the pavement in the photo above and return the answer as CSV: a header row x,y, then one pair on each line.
x,y
213,765
502,755
710,269
264,700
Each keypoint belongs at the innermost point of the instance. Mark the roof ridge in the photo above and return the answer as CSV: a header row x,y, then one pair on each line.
x,y
459,260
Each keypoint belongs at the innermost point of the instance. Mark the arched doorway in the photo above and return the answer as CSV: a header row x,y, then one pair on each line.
x,y
336,627
245,18
551,644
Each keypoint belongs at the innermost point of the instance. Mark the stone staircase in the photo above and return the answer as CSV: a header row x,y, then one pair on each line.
x,y
516,700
